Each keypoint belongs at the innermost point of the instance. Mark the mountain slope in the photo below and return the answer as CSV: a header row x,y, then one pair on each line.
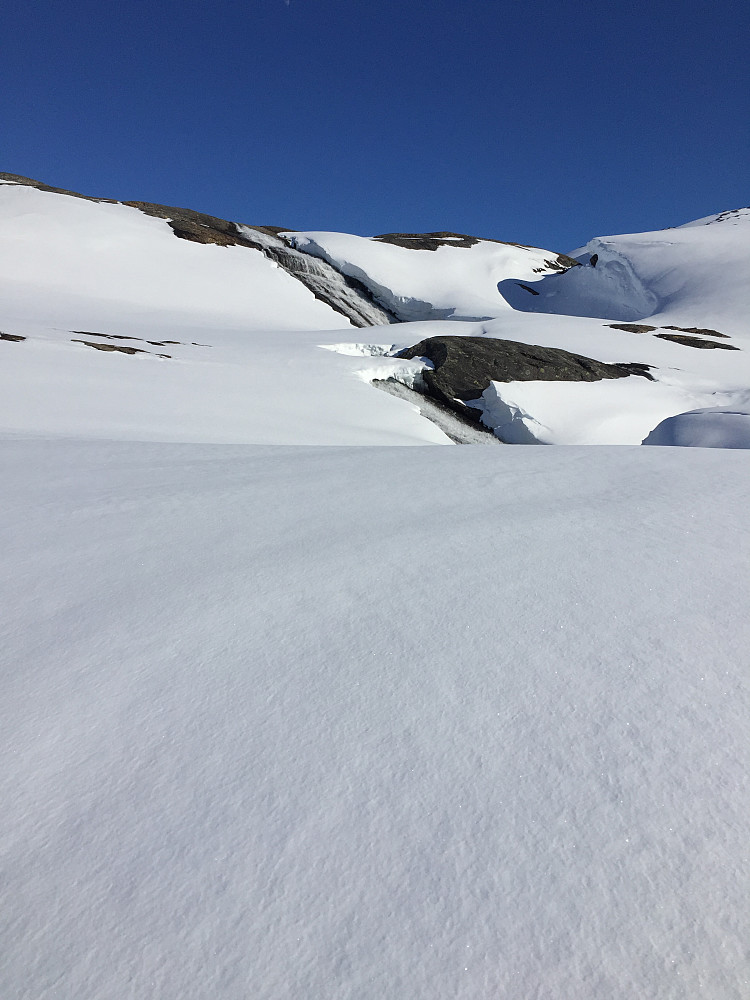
x,y
362,722
692,276
214,336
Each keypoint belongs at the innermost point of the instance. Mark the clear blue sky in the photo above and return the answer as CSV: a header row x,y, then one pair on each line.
x,y
544,123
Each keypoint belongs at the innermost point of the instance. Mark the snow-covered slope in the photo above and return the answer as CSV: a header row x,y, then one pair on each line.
x,y
225,340
366,722
451,280
692,276
444,724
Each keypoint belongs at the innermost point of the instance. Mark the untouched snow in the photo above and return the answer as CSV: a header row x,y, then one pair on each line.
x,y
359,722
365,723
246,386
695,275
577,412
709,428
78,262
447,283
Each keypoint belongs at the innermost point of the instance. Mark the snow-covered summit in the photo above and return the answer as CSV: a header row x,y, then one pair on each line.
x,y
455,278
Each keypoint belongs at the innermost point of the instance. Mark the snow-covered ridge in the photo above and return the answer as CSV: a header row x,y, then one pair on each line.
x,y
457,278
116,273
735,216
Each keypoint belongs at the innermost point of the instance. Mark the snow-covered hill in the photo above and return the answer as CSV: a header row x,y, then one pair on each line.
x,y
363,722
224,326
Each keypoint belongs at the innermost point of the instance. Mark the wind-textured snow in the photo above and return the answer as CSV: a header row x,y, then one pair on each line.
x,y
281,719
354,723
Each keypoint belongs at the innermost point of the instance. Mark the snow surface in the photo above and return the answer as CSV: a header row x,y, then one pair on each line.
x,y
698,273
247,365
708,428
102,264
447,283
362,722
354,723
601,412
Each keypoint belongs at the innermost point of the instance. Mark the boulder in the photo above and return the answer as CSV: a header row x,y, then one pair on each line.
x,y
463,367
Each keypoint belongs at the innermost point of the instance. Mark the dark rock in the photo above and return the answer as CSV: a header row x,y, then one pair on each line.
x,y
121,348
431,241
594,259
696,329
427,241
526,288
679,338
465,366
12,337
632,327
109,336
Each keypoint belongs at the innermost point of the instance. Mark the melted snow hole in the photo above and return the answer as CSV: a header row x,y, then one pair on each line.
x,y
361,350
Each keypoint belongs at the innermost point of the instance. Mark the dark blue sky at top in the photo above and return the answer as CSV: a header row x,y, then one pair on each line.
x,y
544,123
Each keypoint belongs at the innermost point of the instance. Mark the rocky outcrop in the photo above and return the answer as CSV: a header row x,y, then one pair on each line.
x,y
686,341
463,367
40,186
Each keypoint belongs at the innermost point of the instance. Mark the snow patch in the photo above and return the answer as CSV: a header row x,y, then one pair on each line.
x,y
611,289
710,427
406,371
610,411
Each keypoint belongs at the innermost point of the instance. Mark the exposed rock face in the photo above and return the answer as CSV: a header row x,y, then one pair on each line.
x,y
686,341
632,327
465,366
40,186
427,241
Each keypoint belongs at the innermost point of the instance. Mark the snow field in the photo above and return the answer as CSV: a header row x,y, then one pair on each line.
x,y
350,722
357,723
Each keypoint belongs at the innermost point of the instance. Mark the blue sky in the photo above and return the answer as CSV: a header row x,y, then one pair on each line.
x,y
544,123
